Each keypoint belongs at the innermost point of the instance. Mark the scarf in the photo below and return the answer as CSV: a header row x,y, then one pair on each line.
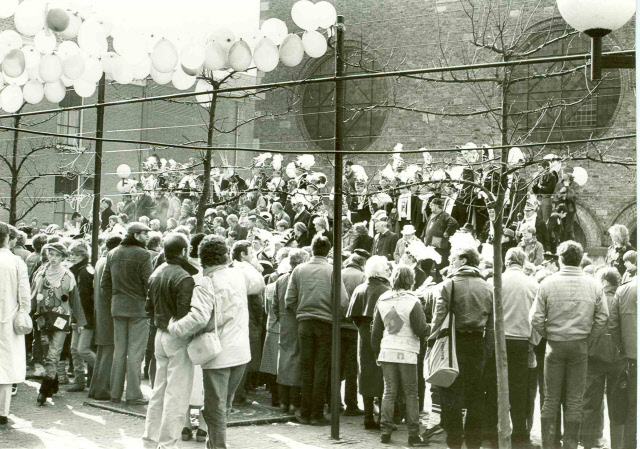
x,y
54,275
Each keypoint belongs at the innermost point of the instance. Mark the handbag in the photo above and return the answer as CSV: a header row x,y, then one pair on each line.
x,y
53,321
441,364
22,323
206,346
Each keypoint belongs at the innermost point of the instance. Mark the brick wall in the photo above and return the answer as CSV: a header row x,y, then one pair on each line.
x,y
405,34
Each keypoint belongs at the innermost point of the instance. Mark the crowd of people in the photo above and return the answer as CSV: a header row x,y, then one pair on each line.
x,y
253,290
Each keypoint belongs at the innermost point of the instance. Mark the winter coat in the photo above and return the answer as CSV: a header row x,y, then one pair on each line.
x,y
518,293
310,291
125,279
289,349
569,306
352,276
65,297
103,334
361,308
227,288
83,273
615,256
13,277
623,321
534,251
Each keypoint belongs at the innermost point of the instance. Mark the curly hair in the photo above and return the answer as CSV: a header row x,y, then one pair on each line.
x,y
213,251
297,256
619,234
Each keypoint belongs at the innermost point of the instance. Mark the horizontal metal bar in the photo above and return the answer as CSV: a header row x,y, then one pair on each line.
x,y
358,76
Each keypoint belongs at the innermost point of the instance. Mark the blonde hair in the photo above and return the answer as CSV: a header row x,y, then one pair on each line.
x,y
619,234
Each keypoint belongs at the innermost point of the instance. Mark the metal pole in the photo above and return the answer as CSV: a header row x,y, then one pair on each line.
x,y
97,180
596,58
337,237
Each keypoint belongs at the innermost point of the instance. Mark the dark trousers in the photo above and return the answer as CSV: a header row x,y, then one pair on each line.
x,y
629,440
149,356
289,395
314,337
467,391
518,362
600,376
349,366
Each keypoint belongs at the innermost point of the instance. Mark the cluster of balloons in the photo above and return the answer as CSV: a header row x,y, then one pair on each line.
x,y
70,49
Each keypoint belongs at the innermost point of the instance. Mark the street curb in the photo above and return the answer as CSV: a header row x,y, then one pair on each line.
x,y
241,423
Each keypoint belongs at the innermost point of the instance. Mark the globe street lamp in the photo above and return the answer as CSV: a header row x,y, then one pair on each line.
x,y
597,18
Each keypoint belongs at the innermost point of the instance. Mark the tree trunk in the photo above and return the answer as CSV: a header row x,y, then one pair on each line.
x,y
206,163
13,191
504,427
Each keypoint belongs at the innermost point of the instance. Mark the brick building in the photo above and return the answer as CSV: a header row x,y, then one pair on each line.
x,y
388,35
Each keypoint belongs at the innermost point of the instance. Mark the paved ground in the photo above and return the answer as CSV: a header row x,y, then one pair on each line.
x,y
67,423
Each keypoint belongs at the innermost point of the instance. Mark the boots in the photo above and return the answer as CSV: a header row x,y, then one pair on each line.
x,y
48,388
548,432
571,433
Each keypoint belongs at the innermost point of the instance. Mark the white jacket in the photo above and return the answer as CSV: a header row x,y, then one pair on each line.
x,y
13,276
231,286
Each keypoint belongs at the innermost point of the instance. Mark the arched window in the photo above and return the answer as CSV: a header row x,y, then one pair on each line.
x,y
559,101
361,127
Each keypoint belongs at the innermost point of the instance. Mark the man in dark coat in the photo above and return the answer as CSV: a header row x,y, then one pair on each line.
x,y
301,214
440,227
385,241
124,282
129,207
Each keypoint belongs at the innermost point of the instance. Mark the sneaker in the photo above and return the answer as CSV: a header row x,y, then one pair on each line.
x,y
385,438
187,435
14,389
417,441
301,419
201,436
435,430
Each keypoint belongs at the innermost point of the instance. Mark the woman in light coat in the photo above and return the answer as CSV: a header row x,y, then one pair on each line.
x,y
221,295
14,292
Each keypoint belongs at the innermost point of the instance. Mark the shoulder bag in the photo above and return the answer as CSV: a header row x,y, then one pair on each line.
x,y
206,346
441,364
22,323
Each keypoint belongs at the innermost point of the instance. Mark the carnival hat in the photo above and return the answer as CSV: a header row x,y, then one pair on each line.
x,y
379,215
408,229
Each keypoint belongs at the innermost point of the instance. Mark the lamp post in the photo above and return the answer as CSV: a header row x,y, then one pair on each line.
x,y
597,18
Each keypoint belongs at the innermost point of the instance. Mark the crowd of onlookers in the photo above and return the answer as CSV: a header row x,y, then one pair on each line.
x,y
259,277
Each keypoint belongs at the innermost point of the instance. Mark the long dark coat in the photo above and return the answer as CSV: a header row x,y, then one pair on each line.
x,y
103,334
361,308
289,356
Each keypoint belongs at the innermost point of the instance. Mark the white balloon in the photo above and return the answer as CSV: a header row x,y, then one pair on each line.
x,y
57,20
580,176
204,86
123,171
54,92
92,70
29,17
314,43
266,55
33,73
2,80
31,56
92,38
291,51
181,80
50,68
142,69
303,14
215,57
326,14
84,88
14,64
240,56
8,8
66,81
160,77
107,62
274,29
223,36
19,80
33,92
45,42
151,41
12,39
67,48
11,98
122,71
73,66
164,56
192,56
74,27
